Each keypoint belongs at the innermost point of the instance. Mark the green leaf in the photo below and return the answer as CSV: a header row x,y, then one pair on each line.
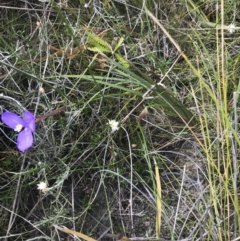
x,y
119,43
97,44
122,61
162,97
99,49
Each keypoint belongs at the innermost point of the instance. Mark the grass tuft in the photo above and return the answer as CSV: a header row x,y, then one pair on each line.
x,y
167,80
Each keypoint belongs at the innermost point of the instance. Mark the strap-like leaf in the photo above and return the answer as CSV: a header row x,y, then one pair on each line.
x,y
119,43
96,44
122,61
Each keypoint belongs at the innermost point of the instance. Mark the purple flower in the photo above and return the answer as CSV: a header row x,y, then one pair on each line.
x,y
25,137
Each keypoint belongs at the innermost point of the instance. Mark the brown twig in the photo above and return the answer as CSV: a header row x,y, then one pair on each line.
x,y
54,112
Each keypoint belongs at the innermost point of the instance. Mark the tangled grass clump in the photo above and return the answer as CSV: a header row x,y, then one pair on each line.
x,y
136,109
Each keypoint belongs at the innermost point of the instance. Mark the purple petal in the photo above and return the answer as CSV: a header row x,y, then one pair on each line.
x,y
29,120
12,120
24,140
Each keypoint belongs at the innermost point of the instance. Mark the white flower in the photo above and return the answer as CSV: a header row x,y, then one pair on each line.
x,y
18,128
231,28
114,125
42,186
